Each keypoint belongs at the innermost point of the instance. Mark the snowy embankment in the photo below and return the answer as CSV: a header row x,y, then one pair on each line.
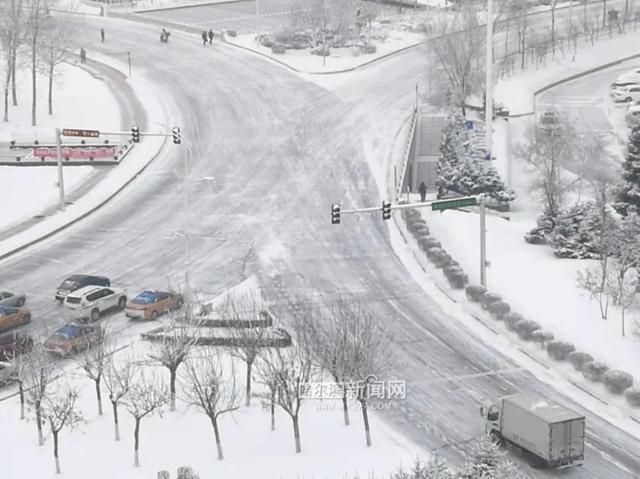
x,y
116,178
79,101
185,437
516,92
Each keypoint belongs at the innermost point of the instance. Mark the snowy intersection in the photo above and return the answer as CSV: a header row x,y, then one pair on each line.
x,y
423,327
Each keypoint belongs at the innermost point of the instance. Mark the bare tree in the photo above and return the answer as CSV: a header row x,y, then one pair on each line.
x,y
368,356
519,10
622,286
38,373
59,410
146,396
594,281
292,370
172,351
242,308
207,387
118,379
54,47
93,363
38,16
545,150
268,377
457,47
11,32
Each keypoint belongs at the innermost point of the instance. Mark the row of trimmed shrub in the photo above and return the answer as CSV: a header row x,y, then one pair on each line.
x,y
433,249
616,382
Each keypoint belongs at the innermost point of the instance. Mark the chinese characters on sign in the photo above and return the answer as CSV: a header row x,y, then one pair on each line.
x,y
84,153
372,388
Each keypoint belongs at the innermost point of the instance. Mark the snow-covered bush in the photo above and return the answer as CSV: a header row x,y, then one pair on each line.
x,y
525,328
511,319
408,214
458,279
278,48
542,337
441,258
427,242
594,370
577,231
418,230
487,298
633,396
539,234
617,381
320,51
560,350
434,252
415,222
498,309
475,291
578,359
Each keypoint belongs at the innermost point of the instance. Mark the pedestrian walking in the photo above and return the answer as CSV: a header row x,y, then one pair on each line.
x,y
83,55
204,37
102,35
423,191
210,36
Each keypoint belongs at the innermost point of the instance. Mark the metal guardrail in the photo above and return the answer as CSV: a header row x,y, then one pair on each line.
x,y
407,151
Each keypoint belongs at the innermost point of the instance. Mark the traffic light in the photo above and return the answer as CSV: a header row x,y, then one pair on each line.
x,y
176,135
135,134
386,210
335,214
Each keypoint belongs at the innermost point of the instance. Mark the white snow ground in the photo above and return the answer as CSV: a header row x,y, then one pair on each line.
x,y
185,438
79,101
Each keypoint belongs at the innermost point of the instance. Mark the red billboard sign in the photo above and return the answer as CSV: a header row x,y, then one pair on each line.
x,y
76,153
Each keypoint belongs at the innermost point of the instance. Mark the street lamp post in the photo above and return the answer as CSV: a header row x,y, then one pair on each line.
x,y
60,173
488,112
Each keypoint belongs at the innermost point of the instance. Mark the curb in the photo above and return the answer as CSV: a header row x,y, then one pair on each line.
x,y
86,213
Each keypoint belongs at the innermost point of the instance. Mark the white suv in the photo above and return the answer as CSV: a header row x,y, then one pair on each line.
x,y
92,301
629,93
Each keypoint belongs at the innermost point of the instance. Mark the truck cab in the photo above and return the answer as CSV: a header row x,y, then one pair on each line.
x,y
491,417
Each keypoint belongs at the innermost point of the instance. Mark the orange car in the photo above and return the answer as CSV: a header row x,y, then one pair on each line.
x,y
150,304
12,317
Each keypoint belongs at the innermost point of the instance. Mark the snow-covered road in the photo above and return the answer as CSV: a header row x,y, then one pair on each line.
x,y
271,153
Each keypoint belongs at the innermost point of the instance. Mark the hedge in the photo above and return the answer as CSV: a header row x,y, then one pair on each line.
x,y
578,359
409,214
594,370
434,251
419,230
560,350
474,291
511,319
458,279
617,381
499,309
487,298
633,397
525,328
427,242
542,337
413,222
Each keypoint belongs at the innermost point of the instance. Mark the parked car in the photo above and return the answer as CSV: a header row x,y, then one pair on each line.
x,y
628,93
8,373
72,338
92,301
10,299
150,304
633,115
549,120
631,75
14,344
12,317
77,281
617,85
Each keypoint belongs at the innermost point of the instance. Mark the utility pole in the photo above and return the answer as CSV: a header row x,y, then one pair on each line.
x,y
483,242
60,175
488,112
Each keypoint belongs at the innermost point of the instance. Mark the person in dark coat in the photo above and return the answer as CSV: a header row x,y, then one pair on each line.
x,y
102,35
83,55
423,191
204,37
210,36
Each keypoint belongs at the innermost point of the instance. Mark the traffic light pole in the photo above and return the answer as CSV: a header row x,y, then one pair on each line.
x,y
60,174
483,242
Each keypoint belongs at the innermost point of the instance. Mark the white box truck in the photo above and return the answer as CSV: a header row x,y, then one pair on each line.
x,y
552,433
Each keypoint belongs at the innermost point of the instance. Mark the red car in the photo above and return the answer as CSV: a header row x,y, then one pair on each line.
x,y
72,338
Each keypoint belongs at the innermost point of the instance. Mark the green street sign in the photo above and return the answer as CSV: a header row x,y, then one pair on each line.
x,y
453,203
